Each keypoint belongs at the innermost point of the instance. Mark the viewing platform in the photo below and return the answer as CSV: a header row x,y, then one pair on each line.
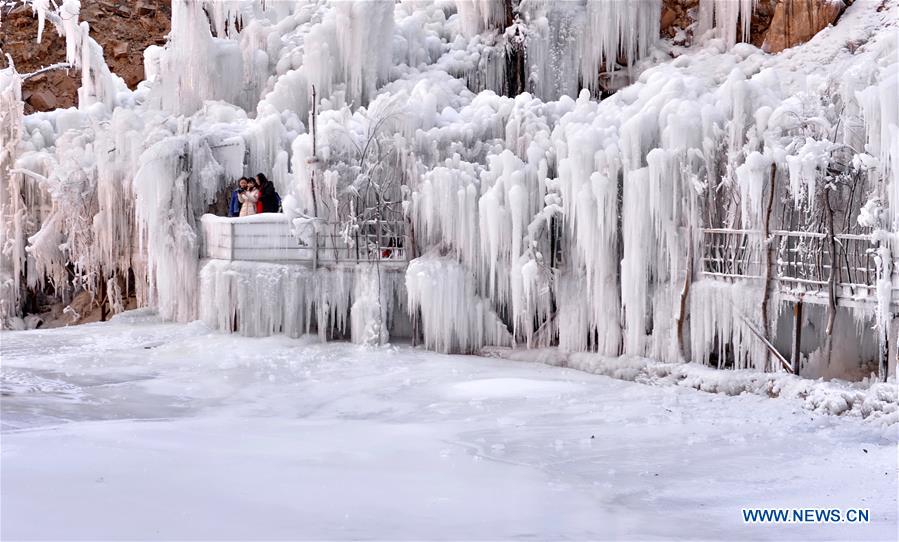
x,y
269,237
801,262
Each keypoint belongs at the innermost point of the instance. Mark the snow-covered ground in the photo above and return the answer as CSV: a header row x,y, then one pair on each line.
x,y
140,429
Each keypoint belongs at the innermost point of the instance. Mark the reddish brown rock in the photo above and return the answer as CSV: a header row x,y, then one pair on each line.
x,y
113,24
777,24
42,100
677,15
144,8
668,18
761,21
120,49
796,21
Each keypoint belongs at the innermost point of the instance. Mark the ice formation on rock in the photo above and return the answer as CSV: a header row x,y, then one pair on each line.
x,y
535,214
729,18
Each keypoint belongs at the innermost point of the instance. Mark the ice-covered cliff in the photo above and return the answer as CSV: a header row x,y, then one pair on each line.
x,y
541,214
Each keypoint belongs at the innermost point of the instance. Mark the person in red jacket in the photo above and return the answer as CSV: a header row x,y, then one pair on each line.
x,y
269,200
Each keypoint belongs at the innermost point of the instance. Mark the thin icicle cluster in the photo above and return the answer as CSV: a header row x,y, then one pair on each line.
x,y
570,44
454,318
722,327
260,299
480,15
12,204
879,105
731,19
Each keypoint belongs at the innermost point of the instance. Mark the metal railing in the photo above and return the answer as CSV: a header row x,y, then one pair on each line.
x,y
807,260
368,241
732,253
801,260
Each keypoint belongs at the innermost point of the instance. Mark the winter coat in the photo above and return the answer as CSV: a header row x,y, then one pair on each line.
x,y
234,208
270,200
248,200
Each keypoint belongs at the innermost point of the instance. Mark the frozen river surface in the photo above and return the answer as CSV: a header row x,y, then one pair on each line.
x,y
137,429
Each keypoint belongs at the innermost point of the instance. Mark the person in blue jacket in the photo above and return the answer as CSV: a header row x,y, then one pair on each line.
x,y
234,208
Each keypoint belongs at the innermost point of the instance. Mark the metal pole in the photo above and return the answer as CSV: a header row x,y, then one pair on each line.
x,y
896,360
378,236
231,240
314,246
797,336
314,154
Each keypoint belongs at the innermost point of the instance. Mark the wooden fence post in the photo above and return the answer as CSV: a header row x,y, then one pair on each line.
x,y
768,244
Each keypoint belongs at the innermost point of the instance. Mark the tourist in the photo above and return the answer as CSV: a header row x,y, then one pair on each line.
x,y
234,208
270,201
248,199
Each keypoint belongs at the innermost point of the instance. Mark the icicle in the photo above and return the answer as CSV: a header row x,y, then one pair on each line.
x,y
12,239
453,317
171,243
617,29
364,35
805,168
374,299
480,15
40,8
69,12
446,211
721,314
258,299
723,16
603,31
635,263
752,178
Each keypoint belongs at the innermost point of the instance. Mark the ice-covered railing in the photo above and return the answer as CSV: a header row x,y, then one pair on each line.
x,y
269,237
802,261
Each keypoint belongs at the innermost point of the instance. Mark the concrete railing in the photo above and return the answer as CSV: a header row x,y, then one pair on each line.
x,y
269,237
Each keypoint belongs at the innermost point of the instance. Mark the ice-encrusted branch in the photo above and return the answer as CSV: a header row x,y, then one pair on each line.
x,y
45,69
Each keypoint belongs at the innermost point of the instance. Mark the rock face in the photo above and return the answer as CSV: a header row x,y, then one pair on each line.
x,y
123,27
126,27
42,100
776,24
676,16
796,21
760,25
679,15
